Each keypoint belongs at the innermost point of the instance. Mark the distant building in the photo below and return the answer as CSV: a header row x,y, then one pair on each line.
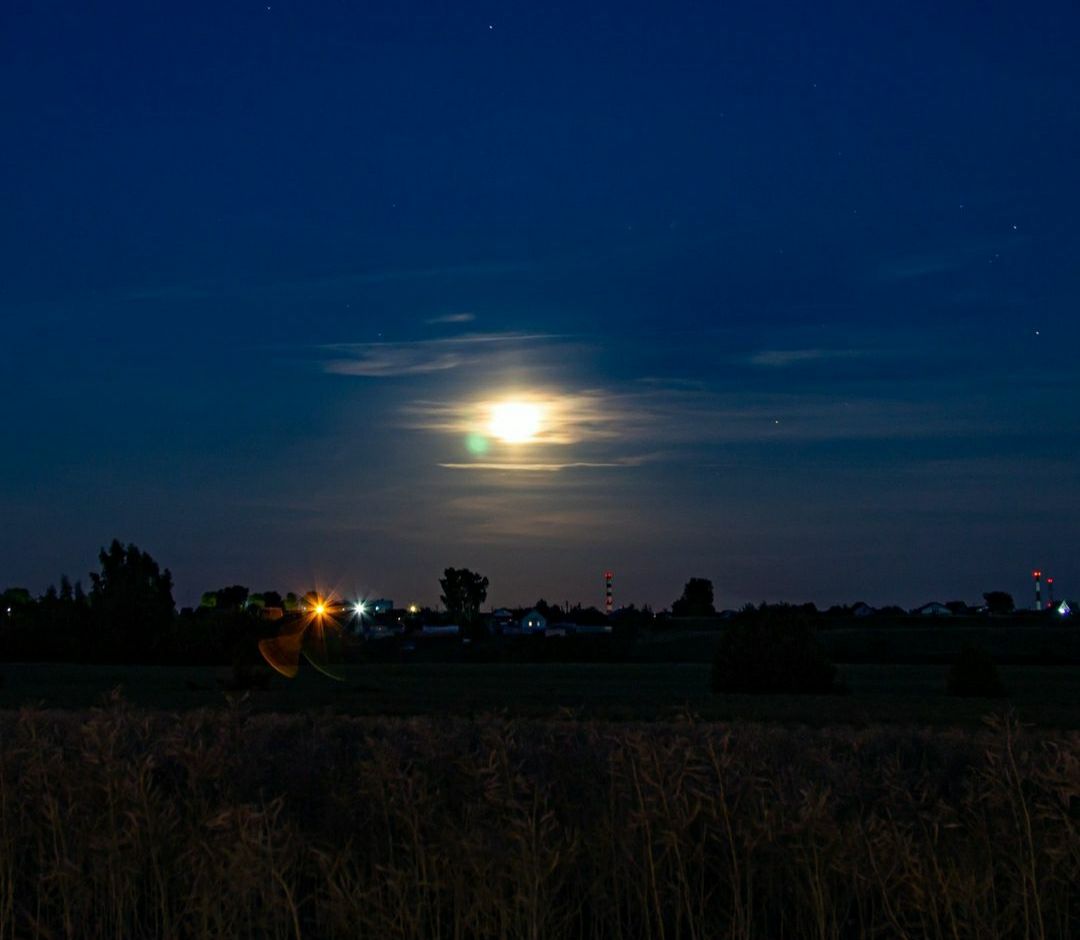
x,y
933,609
533,622
378,606
440,630
502,620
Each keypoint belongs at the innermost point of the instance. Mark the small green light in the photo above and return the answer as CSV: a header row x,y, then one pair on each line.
x,y
477,444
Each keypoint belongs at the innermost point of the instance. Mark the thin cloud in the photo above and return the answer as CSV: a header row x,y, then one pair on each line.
x,y
393,359
930,264
389,363
780,358
451,318
464,339
546,467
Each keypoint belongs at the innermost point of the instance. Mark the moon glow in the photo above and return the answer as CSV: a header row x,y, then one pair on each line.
x,y
515,422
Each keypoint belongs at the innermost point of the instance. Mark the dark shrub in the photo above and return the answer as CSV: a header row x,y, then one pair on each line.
x,y
973,673
773,651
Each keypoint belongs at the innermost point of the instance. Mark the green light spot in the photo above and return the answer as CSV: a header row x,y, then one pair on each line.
x,y
477,444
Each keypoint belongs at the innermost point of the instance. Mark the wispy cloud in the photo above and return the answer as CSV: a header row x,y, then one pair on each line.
x,y
913,267
779,358
598,431
393,359
515,467
451,318
391,362
945,259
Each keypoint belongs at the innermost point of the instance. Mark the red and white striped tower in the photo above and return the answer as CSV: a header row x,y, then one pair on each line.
x,y
1050,591
1037,575
609,591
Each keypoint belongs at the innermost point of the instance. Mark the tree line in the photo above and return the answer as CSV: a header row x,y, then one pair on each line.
x,y
128,615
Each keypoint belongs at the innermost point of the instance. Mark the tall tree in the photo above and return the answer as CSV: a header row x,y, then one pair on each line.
x,y
696,600
463,593
131,604
999,602
233,596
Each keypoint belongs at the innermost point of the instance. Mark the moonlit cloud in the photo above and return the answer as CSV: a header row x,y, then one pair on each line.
x,y
461,381
544,467
395,359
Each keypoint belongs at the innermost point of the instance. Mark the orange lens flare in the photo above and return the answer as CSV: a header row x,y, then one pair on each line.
x,y
317,635
283,653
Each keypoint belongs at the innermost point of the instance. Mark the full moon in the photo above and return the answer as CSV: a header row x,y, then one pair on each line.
x,y
515,422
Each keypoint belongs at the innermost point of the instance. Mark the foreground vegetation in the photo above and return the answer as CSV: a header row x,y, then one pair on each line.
x,y
119,822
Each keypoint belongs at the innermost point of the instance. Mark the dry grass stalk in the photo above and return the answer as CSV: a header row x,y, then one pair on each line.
x,y
119,823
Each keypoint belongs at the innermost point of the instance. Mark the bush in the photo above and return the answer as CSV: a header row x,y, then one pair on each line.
x,y
772,651
973,674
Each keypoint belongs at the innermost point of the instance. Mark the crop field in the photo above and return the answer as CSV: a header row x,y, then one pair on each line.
x,y
1042,695
121,822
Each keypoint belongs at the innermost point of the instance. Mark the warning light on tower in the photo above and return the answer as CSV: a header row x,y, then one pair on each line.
x,y
609,591
1037,575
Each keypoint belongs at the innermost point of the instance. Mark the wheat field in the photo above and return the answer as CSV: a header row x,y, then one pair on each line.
x,y
124,823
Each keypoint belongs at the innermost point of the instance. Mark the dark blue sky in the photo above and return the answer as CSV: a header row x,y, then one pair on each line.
x,y
795,287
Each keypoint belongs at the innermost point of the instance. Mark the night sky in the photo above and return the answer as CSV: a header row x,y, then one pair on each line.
x,y
792,290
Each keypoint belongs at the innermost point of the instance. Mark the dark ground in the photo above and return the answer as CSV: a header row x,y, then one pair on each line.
x,y
1043,695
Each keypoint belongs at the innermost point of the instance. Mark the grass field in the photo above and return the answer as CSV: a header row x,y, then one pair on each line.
x,y
1042,695
211,823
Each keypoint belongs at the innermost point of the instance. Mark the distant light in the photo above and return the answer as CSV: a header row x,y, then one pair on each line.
x,y
360,608
1064,609
413,609
320,609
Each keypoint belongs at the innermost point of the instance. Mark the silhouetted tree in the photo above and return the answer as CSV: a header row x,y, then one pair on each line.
x,y
696,600
62,618
229,598
549,612
463,591
131,604
999,602
272,599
